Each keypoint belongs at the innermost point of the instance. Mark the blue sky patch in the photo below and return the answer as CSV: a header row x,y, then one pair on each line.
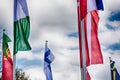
x,y
37,50
115,16
74,48
110,27
114,46
75,35
28,63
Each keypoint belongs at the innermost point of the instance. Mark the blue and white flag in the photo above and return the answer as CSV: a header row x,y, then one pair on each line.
x,y
48,59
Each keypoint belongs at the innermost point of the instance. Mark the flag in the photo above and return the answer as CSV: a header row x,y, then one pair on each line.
x,y
88,19
21,26
7,64
114,73
48,59
87,75
89,5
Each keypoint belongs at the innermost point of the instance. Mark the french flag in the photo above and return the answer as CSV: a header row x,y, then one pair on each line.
x,y
88,19
89,5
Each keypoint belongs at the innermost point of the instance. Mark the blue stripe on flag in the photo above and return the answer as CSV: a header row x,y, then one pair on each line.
x,y
47,53
100,4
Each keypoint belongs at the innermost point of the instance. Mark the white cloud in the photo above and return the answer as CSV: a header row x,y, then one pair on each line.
x,y
115,24
109,37
6,17
28,55
112,5
53,21
65,65
35,73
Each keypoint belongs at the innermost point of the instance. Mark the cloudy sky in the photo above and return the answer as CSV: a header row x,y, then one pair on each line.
x,y
56,21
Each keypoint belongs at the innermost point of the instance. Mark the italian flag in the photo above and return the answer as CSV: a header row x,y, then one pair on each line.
x,y
21,26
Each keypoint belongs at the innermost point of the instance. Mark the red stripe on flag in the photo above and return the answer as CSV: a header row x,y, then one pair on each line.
x,y
96,54
88,75
86,42
83,8
7,68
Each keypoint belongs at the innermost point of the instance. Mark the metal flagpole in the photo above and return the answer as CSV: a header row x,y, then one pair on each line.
x,y
14,55
110,67
1,52
2,49
14,66
81,33
83,51
46,42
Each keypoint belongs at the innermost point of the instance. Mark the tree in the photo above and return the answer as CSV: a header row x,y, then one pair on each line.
x,y
20,75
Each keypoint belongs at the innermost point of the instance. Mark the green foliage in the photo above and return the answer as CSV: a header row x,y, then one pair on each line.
x,y
20,75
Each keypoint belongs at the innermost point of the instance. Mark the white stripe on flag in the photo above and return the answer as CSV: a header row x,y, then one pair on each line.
x,y
51,57
78,3
21,9
89,34
91,5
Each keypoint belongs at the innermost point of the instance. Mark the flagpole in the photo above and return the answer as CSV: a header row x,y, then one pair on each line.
x,y
81,42
46,42
2,53
110,67
14,66
14,55
83,52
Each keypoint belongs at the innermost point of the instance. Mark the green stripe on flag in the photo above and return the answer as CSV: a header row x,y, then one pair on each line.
x,y
5,46
21,34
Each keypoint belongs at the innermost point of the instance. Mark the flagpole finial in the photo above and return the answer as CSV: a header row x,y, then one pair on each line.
x,y
46,41
110,58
